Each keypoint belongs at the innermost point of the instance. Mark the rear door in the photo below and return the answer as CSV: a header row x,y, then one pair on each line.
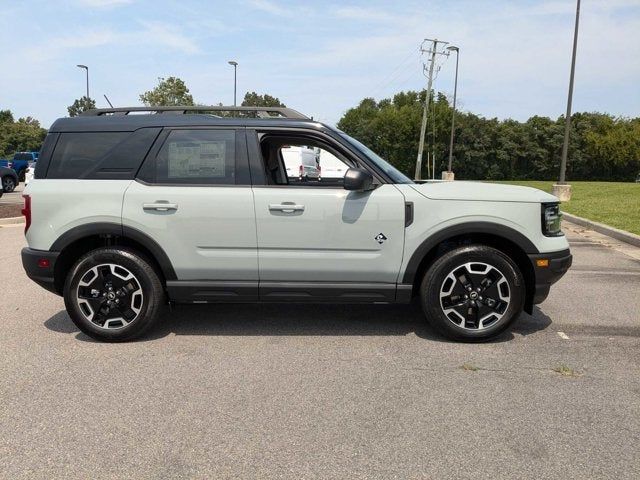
x,y
193,197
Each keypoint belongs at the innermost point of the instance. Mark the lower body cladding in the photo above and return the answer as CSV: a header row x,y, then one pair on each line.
x,y
548,268
300,292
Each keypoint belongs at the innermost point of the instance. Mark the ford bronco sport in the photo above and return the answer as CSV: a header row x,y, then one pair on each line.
x,y
127,213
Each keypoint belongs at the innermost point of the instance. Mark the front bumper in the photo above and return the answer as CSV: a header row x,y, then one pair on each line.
x,y
544,276
32,261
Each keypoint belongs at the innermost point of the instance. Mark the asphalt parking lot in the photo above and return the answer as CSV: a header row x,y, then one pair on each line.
x,y
293,391
13,198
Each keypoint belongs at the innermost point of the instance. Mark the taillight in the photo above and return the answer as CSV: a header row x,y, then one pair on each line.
x,y
26,211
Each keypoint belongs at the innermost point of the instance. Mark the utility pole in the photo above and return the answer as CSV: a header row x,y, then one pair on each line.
x,y
432,51
561,189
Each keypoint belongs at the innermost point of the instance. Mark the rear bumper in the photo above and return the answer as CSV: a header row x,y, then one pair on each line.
x,y
42,275
544,277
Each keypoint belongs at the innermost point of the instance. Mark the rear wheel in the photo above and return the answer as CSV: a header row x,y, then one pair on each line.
x,y
8,184
113,294
472,293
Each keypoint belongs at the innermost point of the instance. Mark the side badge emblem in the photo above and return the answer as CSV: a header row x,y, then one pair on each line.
x,y
380,238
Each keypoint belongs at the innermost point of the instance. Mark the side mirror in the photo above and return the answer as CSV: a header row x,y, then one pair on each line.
x,y
358,179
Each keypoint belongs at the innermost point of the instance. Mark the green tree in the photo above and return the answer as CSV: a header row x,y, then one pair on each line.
x,y
6,116
81,105
601,147
252,99
24,135
170,91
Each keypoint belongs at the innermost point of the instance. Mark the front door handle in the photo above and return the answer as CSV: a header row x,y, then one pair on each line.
x,y
160,206
286,207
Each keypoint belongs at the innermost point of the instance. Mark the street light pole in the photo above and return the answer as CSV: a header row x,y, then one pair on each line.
x,y
561,189
235,79
87,71
453,114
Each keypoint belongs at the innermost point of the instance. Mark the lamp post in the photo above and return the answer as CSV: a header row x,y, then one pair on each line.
x,y
87,71
235,79
448,175
561,189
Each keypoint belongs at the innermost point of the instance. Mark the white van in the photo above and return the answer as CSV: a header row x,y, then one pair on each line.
x,y
301,162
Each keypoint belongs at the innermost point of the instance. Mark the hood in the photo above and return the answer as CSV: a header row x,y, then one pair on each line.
x,y
480,191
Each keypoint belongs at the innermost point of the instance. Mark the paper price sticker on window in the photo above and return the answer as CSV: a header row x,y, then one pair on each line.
x,y
196,159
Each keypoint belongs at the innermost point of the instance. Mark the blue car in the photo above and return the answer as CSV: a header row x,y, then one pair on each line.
x,y
20,162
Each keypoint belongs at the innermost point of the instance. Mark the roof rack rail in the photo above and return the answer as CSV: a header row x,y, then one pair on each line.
x,y
257,112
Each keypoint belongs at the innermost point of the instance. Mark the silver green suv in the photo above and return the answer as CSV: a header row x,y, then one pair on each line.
x,y
127,213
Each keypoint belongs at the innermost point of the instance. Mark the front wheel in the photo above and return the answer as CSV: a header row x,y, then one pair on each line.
x,y
113,294
8,184
472,293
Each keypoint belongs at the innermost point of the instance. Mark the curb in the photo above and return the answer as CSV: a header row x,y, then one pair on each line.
x,y
622,235
11,220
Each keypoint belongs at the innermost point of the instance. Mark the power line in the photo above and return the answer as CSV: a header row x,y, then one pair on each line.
x,y
394,73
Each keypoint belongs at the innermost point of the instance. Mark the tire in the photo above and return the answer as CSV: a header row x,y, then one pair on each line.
x,y
8,184
22,174
113,294
472,293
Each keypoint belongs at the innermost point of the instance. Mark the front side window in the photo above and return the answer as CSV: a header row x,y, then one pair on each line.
x,y
197,157
302,162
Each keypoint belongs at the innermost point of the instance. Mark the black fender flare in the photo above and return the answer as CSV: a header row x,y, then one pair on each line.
x,y
470,228
121,231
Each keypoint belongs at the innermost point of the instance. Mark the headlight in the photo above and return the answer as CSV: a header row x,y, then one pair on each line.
x,y
551,218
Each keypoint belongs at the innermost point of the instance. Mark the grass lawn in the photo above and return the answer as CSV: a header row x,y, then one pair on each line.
x,y
613,203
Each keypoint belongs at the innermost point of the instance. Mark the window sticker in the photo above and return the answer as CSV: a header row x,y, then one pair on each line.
x,y
196,159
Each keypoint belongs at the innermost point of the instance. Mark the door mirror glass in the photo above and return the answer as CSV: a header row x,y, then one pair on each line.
x,y
358,179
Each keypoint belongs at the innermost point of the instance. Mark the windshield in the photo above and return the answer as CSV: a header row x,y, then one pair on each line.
x,y
381,163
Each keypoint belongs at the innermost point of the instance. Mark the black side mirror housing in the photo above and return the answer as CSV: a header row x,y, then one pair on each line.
x,y
358,179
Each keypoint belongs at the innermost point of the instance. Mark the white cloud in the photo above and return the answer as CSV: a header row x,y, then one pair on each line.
x,y
269,7
103,3
156,34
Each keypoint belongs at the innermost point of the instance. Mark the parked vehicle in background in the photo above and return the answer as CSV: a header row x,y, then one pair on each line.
x,y
332,168
9,179
28,174
20,162
300,161
130,212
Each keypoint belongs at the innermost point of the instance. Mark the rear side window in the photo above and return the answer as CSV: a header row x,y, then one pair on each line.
x,y
79,153
205,157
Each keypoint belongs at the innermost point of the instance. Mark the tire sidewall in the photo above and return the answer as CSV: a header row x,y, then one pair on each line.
x,y
435,276
145,275
11,188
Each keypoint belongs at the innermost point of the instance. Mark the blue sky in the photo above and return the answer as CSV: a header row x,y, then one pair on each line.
x,y
320,57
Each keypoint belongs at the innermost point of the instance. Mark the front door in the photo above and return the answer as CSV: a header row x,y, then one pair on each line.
x,y
316,239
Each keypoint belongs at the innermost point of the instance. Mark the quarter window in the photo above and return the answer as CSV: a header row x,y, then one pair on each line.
x,y
78,153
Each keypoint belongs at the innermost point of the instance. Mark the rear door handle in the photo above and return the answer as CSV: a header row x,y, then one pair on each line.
x,y
160,206
286,207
